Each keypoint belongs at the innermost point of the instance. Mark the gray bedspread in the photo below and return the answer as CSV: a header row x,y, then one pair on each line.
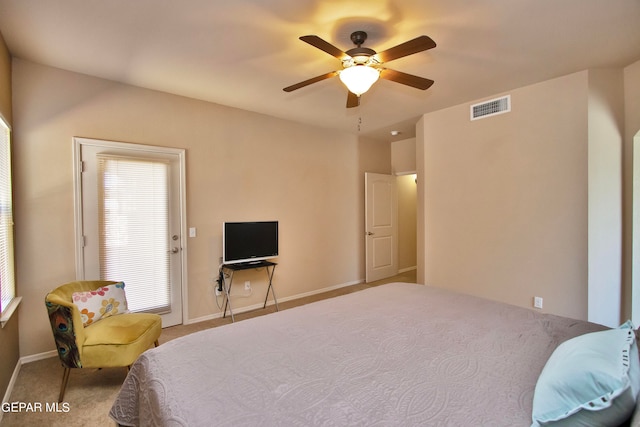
x,y
395,355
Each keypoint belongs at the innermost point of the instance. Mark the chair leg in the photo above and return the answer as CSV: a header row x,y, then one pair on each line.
x,y
156,343
65,380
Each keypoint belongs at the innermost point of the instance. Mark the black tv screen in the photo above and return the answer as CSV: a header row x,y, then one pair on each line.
x,y
249,241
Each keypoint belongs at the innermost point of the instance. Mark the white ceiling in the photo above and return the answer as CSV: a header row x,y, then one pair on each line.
x,y
241,53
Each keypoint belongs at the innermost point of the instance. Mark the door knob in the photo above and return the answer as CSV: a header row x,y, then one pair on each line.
x,y
175,250
370,233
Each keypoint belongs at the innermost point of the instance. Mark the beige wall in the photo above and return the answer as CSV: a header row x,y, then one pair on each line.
x,y
403,156
421,233
5,81
403,164
240,166
632,131
606,130
503,203
529,203
407,221
9,352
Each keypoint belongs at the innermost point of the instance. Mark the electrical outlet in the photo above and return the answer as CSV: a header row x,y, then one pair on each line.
x,y
247,285
537,302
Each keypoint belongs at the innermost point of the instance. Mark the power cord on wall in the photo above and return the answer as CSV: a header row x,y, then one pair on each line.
x,y
221,285
219,288
220,280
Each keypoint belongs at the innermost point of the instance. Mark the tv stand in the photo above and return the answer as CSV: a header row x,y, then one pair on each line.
x,y
232,268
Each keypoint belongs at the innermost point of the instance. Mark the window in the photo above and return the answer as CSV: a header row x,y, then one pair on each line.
x,y
8,300
133,206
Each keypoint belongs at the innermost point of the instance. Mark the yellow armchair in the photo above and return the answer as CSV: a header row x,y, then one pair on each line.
x,y
114,341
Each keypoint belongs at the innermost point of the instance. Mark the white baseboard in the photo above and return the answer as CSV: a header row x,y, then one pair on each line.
x,y
270,302
39,356
12,382
320,291
16,371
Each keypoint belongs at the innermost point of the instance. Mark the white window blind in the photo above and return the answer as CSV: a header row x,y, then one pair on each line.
x,y
133,206
7,279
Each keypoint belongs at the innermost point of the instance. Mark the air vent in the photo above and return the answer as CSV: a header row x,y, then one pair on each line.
x,y
491,108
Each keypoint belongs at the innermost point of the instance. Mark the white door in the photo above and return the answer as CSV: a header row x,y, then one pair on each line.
x,y
130,222
381,226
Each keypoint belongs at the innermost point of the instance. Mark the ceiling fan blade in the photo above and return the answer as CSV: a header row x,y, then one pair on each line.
x,y
310,81
407,48
353,100
321,44
406,79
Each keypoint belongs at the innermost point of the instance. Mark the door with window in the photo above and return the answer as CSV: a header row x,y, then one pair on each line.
x,y
130,222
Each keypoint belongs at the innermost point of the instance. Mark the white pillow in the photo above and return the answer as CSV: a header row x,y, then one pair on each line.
x,y
101,303
590,380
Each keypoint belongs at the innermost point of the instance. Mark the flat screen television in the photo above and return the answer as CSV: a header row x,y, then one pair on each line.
x,y
249,241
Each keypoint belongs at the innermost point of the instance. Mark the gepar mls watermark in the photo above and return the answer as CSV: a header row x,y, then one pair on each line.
x,y
56,407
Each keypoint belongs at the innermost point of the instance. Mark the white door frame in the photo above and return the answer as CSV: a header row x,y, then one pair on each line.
x,y
78,142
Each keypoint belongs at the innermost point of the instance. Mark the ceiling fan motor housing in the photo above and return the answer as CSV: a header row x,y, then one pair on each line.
x,y
360,55
360,51
358,37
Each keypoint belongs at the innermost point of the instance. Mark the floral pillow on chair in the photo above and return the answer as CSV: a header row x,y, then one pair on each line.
x,y
101,303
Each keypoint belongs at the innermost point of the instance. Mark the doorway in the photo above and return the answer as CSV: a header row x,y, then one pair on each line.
x,y
390,225
130,222
381,226
407,222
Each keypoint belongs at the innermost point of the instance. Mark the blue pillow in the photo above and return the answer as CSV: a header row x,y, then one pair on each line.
x,y
590,380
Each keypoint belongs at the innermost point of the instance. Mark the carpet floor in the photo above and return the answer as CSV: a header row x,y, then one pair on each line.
x,y
91,392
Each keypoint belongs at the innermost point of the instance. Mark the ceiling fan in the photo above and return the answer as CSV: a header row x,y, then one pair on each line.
x,y
363,66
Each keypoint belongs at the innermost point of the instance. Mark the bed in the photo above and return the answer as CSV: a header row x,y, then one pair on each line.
x,y
400,354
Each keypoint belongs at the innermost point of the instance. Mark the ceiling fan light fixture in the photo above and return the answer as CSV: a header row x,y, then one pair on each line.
x,y
362,66
359,78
